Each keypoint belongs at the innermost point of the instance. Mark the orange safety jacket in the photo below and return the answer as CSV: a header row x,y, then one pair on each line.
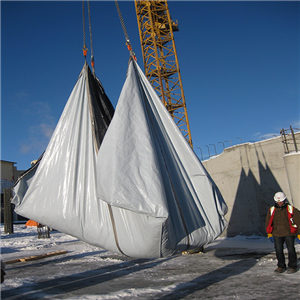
x,y
290,212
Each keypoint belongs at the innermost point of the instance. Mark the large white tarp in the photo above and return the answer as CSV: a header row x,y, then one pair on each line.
x,y
155,174
144,193
62,191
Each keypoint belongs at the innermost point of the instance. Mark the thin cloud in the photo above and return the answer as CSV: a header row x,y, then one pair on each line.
x,y
25,148
295,126
269,136
22,95
38,138
39,134
46,130
34,145
37,109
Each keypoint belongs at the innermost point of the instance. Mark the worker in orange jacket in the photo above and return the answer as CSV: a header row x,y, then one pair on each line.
x,y
283,223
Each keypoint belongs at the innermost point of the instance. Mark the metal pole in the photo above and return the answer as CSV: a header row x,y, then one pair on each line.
x,y
8,212
215,148
229,141
294,140
284,141
201,152
223,145
208,151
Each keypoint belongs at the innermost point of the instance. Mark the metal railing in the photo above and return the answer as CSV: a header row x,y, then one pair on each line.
x,y
289,141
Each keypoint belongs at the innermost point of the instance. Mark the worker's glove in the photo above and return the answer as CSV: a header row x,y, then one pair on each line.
x,y
270,237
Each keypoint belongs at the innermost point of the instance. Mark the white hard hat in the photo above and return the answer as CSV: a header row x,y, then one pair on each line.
x,y
279,197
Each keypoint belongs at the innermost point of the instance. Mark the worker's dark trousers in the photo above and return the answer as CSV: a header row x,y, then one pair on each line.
x,y
289,241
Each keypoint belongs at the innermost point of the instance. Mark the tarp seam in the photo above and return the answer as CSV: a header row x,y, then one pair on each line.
x,y
114,228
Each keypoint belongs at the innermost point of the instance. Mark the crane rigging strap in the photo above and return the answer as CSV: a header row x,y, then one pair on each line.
x,y
132,54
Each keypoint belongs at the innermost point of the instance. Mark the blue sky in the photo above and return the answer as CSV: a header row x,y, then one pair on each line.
x,y
239,64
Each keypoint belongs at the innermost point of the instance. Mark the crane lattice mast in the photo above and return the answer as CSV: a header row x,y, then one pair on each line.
x,y
160,59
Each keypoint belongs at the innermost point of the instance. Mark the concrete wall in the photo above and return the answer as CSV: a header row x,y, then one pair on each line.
x,y
292,167
248,176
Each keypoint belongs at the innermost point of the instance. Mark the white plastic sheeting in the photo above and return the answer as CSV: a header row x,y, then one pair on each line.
x,y
143,194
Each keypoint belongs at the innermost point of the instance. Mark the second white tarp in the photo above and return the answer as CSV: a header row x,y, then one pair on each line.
x,y
162,199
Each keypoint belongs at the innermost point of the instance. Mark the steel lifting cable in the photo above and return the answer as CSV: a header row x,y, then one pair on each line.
x,y
92,63
83,20
132,54
91,39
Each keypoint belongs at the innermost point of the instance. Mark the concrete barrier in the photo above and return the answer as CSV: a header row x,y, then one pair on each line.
x,y
248,176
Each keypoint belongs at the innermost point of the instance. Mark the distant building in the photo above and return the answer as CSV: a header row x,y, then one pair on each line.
x,y
9,175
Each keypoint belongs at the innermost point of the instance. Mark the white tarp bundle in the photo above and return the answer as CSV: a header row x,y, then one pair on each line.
x,y
144,193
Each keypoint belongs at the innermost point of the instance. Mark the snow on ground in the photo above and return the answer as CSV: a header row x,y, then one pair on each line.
x,y
231,268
